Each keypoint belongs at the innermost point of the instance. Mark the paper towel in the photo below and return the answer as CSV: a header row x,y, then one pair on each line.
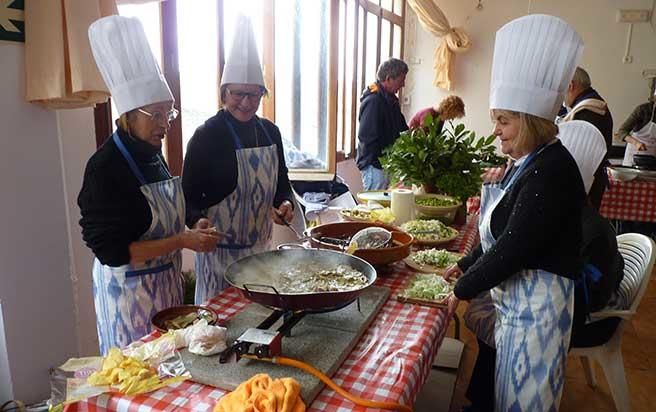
x,y
403,205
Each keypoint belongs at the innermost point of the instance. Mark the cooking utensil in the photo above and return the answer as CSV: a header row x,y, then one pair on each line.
x,y
159,320
256,276
398,249
370,238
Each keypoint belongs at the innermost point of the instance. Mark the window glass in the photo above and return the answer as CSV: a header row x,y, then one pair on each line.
x,y
386,4
398,39
197,59
372,43
385,41
301,60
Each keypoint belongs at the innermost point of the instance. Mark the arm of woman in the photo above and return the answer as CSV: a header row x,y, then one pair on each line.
x,y
543,201
199,240
283,203
637,119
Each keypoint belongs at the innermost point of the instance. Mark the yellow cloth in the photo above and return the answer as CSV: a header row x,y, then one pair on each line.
x,y
263,394
454,40
60,72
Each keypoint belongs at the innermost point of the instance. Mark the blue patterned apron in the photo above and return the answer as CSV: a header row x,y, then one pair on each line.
x,y
126,297
534,310
245,214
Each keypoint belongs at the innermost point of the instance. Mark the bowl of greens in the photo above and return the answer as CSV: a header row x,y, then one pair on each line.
x,y
434,205
430,232
432,260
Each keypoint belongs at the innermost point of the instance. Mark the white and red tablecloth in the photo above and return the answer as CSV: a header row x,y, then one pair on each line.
x,y
634,200
390,363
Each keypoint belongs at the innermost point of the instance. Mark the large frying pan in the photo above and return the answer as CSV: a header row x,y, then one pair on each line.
x,y
255,276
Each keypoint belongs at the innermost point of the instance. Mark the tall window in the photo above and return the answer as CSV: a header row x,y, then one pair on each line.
x,y
317,57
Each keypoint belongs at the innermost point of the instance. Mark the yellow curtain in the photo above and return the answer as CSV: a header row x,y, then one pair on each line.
x,y
60,70
454,39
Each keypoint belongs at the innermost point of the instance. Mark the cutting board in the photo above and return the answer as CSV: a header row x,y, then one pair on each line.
x,y
322,340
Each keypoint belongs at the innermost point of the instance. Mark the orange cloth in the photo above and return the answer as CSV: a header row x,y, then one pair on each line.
x,y
263,394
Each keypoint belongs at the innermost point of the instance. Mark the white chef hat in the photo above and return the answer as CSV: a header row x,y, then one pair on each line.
x,y
534,60
127,63
587,146
243,63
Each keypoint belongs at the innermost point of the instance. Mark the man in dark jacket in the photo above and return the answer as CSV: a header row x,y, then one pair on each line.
x,y
381,121
584,103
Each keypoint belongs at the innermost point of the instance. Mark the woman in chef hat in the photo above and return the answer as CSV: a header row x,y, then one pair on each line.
x,y
235,177
530,222
132,208
599,249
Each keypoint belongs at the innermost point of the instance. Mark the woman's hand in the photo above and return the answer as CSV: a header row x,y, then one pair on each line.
x,y
284,211
637,143
200,240
452,272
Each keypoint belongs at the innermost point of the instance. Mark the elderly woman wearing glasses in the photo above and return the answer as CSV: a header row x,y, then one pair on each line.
x,y
132,209
234,176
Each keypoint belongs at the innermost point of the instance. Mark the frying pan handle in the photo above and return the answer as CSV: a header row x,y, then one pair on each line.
x,y
259,285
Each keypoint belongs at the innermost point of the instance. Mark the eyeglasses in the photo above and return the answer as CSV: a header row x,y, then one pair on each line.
x,y
159,117
240,95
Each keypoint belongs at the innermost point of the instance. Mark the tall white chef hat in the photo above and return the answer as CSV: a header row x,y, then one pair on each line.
x,y
243,63
586,145
534,60
127,63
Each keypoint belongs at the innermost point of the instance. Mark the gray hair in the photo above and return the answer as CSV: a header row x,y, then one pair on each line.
x,y
581,78
391,68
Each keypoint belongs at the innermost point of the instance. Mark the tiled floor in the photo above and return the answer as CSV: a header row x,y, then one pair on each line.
x,y
639,351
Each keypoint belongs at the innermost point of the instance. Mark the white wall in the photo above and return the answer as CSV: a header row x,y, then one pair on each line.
x,y
620,84
35,285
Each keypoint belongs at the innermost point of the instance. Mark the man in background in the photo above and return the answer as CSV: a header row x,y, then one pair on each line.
x,y
381,121
582,102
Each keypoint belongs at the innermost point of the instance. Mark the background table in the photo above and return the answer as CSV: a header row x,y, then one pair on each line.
x,y
634,200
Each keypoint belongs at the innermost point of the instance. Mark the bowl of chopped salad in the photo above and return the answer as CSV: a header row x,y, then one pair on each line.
x,y
431,232
433,205
427,289
432,260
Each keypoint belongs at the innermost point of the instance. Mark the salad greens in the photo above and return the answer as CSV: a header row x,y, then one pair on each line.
x,y
428,286
434,257
436,201
428,229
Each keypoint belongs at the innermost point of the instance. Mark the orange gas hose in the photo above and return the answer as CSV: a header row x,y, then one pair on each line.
x,y
325,379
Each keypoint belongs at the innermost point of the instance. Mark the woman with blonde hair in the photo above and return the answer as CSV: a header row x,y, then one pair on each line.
x,y
530,222
450,108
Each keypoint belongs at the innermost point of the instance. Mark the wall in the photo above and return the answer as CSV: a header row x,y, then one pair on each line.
x,y
35,285
620,84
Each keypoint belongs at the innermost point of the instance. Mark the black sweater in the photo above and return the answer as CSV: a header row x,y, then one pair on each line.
x,y
114,211
537,225
381,122
210,164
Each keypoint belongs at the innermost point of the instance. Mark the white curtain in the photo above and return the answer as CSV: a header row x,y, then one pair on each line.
x,y
454,39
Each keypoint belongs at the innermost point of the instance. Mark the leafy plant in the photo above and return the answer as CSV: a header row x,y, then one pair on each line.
x,y
451,160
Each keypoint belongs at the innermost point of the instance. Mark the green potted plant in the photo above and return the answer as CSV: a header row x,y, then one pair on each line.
x,y
449,161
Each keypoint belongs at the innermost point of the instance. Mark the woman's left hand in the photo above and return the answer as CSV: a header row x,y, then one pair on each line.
x,y
285,210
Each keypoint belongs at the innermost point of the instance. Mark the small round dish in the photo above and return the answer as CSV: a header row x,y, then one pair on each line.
x,y
347,214
162,320
419,267
622,174
383,197
446,210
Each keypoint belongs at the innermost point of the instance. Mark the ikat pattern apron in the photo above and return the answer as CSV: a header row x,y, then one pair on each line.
x,y
126,297
534,310
245,214
646,135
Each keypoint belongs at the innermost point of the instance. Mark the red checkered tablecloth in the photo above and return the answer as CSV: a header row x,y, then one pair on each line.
x,y
390,362
634,200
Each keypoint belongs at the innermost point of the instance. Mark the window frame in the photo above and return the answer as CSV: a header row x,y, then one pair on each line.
x,y
168,32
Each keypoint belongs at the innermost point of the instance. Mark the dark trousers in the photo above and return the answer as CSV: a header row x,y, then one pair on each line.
x,y
480,391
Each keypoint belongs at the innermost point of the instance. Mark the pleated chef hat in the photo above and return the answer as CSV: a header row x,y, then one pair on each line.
x,y
243,63
534,60
586,145
127,63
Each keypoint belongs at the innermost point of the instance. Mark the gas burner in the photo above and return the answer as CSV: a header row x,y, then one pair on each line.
x,y
265,343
